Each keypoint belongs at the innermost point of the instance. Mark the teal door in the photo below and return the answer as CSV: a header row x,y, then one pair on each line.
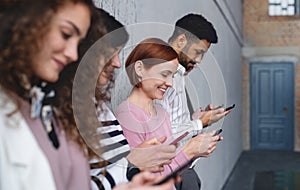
x,y
272,105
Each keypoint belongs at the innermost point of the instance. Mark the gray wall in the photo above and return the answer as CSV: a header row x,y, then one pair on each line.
x,y
217,81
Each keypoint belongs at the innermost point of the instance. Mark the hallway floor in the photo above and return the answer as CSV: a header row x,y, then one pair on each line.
x,y
260,163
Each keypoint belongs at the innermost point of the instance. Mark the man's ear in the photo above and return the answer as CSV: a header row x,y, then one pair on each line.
x,y
181,41
139,67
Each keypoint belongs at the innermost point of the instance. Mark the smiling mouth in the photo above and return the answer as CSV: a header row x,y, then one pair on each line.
x,y
162,89
108,74
60,64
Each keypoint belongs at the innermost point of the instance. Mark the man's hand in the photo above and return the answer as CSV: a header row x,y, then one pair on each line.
x,y
210,115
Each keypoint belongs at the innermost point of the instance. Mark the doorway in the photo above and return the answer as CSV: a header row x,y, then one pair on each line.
x,y
272,105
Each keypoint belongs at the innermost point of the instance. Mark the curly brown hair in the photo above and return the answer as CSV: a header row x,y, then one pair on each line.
x,y
23,26
22,30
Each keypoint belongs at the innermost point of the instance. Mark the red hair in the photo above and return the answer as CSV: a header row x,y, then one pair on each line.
x,y
151,51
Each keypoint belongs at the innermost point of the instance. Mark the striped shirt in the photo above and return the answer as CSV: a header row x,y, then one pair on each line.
x,y
175,102
112,168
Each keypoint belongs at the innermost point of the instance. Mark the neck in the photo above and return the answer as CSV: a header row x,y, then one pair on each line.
x,y
137,97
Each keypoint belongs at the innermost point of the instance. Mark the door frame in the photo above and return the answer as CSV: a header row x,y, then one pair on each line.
x,y
267,59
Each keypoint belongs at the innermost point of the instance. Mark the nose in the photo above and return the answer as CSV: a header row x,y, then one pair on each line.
x,y
198,59
71,51
116,61
169,82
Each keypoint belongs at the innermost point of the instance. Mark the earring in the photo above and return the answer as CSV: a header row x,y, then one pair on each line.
x,y
25,82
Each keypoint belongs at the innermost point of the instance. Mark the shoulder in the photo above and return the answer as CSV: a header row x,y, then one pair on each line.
x,y
10,116
123,107
160,110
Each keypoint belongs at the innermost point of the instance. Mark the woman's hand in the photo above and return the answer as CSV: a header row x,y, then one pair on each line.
x,y
144,181
151,155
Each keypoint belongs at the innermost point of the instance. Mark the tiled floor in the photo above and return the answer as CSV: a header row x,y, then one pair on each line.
x,y
243,175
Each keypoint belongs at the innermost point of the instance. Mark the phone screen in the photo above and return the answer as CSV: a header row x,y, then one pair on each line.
x,y
218,132
173,142
230,107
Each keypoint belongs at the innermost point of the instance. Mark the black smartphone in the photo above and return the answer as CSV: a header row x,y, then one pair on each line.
x,y
230,107
218,132
175,173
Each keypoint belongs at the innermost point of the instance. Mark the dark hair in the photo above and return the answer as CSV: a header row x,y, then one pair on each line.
x,y
151,51
197,25
113,35
102,23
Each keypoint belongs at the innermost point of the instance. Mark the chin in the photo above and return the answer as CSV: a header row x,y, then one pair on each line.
x,y
160,97
50,79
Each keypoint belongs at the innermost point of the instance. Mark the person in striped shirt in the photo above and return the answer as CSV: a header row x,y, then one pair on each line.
x,y
117,163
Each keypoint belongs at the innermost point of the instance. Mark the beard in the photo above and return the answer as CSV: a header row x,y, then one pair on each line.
x,y
187,63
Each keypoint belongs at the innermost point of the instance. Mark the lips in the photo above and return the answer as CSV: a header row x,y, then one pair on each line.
x,y
162,89
61,65
108,74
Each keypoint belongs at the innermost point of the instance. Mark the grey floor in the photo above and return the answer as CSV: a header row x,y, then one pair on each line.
x,y
250,162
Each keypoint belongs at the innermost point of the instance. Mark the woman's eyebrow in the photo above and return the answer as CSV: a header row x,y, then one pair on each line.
x,y
77,31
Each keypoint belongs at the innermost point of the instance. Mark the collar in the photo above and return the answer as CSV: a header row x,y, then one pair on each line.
x,y
180,70
40,95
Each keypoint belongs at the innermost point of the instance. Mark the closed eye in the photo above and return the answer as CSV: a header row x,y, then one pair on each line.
x,y
66,35
166,74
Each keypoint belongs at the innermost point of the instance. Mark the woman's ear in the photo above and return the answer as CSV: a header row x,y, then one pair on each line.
x,y
139,67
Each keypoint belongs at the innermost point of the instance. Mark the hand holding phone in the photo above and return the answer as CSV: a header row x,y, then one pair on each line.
x,y
175,173
218,132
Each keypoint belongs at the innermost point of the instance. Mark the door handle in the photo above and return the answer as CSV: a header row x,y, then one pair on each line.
x,y
285,109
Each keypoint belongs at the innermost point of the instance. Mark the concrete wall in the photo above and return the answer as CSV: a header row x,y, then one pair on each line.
x,y
217,81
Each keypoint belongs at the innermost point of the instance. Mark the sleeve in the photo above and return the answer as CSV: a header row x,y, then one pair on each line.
x,y
178,161
111,170
109,176
135,137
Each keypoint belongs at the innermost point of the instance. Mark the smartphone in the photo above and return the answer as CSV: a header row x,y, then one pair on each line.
x,y
218,132
230,107
175,141
175,173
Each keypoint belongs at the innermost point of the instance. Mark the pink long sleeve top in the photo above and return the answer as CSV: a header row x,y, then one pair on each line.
x,y
139,126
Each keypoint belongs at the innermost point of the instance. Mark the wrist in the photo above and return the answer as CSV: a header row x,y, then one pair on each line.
x,y
189,152
132,170
205,122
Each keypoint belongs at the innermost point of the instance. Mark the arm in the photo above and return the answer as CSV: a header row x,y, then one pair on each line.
x,y
106,177
111,169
